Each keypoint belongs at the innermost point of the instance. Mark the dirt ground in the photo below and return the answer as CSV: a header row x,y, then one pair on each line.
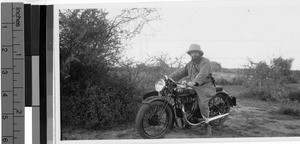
x,y
250,118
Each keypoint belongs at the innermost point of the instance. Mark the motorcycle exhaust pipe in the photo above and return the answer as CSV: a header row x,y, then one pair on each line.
x,y
206,120
216,117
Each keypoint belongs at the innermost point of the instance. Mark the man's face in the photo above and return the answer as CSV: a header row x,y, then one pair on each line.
x,y
195,55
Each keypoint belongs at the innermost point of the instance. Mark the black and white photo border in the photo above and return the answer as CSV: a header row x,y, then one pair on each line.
x,y
56,93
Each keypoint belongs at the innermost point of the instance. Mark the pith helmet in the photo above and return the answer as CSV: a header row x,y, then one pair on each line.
x,y
195,47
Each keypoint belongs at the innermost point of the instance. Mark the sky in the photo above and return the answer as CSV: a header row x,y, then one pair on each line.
x,y
229,31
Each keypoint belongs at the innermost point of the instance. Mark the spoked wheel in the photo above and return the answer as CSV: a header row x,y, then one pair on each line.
x,y
154,120
218,105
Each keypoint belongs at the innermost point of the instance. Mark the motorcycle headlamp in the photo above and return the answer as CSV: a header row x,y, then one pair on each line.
x,y
159,85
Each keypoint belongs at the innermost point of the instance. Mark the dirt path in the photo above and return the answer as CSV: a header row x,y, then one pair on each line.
x,y
251,118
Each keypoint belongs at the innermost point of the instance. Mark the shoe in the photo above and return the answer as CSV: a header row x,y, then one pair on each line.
x,y
208,130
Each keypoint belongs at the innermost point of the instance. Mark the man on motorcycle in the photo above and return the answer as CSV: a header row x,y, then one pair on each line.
x,y
199,74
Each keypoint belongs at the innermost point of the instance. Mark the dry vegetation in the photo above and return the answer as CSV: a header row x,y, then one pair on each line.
x,y
251,118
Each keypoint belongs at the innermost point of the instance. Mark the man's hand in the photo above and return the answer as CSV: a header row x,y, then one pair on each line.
x,y
191,84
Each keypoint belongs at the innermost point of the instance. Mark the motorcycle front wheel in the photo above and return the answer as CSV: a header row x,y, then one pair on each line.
x,y
154,120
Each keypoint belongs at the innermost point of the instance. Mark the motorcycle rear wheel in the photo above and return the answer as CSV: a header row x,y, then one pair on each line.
x,y
154,120
218,105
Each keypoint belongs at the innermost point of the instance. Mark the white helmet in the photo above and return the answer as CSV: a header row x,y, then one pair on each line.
x,y
195,47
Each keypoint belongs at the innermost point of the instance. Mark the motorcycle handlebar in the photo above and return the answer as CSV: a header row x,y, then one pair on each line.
x,y
183,85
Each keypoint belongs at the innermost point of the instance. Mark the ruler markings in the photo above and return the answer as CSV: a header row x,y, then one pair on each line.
x,y
6,45
12,34
12,72
18,87
7,113
18,116
7,91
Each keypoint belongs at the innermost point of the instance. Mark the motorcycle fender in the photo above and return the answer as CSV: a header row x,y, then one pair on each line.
x,y
154,98
149,94
231,99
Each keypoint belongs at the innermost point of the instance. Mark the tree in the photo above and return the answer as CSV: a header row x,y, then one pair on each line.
x,y
281,69
91,44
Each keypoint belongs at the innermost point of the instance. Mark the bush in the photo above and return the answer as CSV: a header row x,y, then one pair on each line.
x,y
289,80
269,79
294,96
289,108
100,107
269,90
228,79
238,80
223,81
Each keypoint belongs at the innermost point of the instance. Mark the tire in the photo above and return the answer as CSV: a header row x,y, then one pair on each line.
x,y
218,104
148,114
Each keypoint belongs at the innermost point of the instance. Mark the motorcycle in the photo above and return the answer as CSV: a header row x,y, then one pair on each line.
x,y
175,104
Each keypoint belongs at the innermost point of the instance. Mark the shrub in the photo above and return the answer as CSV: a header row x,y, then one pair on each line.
x,y
294,96
269,79
100,107
267,90
289,80
223,81
238,80
228,79
289,108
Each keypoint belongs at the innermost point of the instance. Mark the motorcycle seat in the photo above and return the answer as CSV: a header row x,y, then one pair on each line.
x,y
219,88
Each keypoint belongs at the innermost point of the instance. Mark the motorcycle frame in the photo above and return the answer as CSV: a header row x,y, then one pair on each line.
x,y
156,96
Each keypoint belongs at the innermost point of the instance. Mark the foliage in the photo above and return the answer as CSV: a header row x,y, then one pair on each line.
x,y
91,44
295,77
101,107
289,108
281,69
267,82
145,74
215,66
294,96
228,78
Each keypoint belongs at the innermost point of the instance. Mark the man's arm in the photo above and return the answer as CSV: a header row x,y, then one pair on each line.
x,y
179,74
205,70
